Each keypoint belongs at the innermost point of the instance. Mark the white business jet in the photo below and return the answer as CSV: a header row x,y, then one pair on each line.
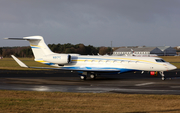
x,y
92,65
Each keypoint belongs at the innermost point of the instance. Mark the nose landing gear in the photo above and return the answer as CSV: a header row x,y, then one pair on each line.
x,y
162,74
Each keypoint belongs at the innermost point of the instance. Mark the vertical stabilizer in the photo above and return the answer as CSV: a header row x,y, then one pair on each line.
x,y
38,46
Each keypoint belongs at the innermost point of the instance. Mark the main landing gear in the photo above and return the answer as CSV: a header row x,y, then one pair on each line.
x,y
84,75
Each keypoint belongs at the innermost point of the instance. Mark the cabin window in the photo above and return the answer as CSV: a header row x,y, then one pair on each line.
x,y
93,61
101,61
86,61
122,61
108,61
115,61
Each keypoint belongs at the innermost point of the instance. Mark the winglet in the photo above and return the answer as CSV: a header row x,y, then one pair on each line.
x,y
19,62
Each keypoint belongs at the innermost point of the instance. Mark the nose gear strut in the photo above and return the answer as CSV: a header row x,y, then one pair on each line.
x,y
162,74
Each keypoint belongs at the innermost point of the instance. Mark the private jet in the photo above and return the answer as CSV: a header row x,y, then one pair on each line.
x,y
91,66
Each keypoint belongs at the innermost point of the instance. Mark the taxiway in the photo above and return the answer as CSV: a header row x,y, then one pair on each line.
x,y
65,81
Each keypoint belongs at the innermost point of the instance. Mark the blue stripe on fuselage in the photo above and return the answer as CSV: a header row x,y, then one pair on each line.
x,y
35,47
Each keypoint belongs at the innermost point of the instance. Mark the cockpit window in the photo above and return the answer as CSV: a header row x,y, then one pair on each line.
x,y
160,60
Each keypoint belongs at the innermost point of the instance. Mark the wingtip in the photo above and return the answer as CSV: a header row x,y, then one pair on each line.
x,y
19,62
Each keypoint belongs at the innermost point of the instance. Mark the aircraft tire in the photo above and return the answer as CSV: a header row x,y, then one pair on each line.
x,y
83,77
163,78
93,76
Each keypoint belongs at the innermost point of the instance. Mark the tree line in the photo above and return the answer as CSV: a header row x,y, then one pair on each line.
x,y
57,48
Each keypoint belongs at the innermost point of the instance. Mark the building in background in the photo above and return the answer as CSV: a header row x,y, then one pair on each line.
x,y
167,51
145,51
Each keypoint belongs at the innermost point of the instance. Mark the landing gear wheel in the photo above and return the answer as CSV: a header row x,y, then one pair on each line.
x,y
162,74
163,78
83,77
93,76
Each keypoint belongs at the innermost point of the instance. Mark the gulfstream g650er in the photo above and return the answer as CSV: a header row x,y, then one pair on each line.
x,y
92,65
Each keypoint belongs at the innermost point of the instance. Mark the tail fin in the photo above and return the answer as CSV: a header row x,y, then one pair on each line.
x,y
37,44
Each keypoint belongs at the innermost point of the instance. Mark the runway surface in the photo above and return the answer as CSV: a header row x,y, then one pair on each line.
x,y
65,81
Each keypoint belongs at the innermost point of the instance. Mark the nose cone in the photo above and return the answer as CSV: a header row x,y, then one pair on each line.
x,y
172,67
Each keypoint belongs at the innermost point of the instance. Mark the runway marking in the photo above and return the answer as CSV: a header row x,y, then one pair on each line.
x,y
143,84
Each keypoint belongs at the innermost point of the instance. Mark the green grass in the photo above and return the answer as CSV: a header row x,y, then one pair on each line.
x,y
57,102
171,58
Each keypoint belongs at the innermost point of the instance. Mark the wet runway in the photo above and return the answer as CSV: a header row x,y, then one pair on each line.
x,y
65,81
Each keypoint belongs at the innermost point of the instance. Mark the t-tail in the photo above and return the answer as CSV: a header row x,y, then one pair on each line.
x,y
43,54
38,46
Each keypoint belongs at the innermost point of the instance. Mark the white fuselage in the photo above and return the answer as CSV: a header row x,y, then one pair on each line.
x,y
121,63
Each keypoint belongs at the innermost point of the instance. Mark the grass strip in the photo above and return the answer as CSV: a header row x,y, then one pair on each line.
x,y
58,102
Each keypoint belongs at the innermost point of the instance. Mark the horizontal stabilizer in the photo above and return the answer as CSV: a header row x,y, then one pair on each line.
x,y
14,38
26,38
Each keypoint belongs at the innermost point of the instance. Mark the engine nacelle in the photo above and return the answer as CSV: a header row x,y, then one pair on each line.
x,y
58,58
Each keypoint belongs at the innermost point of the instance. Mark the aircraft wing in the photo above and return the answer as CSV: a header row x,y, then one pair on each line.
x,y
70,69
19,62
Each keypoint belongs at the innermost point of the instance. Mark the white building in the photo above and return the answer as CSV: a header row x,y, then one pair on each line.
x,y
147,51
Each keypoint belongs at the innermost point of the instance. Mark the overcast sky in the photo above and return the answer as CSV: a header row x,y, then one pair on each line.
x,y
92,22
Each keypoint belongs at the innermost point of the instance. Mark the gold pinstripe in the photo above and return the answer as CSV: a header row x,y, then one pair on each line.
x,y
34,45
120,59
